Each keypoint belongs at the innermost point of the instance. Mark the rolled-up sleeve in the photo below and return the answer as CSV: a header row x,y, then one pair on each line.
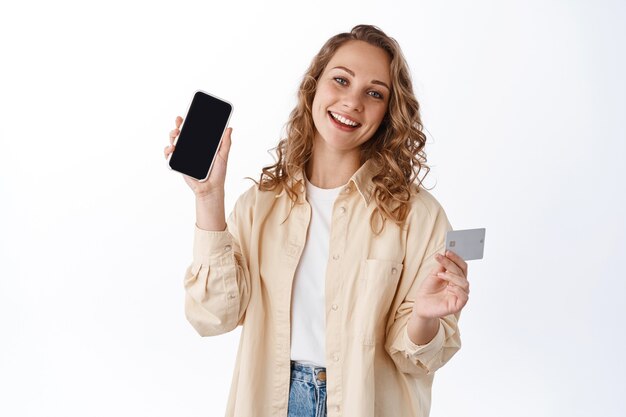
x,y
426,359
217,283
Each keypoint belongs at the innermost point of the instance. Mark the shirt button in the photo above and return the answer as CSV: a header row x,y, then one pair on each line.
x,y
393,271
231,295
337,408
342,210
335,306
336,357
227,248
347,190
335,257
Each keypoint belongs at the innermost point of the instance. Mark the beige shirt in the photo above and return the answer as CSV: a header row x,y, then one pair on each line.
x,y
243,276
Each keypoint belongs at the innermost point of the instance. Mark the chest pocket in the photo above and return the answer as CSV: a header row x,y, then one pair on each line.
x,y
378,285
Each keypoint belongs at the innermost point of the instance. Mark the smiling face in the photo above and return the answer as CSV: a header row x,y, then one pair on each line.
x,y
352,96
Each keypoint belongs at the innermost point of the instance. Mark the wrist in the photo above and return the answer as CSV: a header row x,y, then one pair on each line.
x,y
210,212
422,330
211,196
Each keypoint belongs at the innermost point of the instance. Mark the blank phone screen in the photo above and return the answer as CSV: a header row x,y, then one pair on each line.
x,y
200,135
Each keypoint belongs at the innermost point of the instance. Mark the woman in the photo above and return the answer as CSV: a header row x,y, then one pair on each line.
x,y
333,262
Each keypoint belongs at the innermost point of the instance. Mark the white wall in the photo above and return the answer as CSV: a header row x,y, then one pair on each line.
x,y
523,103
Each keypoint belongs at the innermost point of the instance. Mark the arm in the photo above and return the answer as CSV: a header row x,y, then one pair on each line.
x,y
217,283
438,337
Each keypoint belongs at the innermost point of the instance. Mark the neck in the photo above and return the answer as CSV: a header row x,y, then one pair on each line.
x,y
331,168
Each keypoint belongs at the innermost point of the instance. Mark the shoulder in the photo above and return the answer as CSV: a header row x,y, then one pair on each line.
x,y
248,197
425,210
424,203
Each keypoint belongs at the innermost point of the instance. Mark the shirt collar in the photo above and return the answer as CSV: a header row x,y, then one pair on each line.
x,y
362,180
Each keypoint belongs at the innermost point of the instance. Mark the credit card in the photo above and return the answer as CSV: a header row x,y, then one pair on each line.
x,y
468,244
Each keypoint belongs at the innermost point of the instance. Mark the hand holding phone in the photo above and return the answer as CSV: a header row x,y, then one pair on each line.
x,y
199,149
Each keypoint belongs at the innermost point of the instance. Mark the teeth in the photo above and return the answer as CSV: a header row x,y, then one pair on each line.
x,y
343,119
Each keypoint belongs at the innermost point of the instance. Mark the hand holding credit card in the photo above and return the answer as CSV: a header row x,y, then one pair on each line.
x,y
468,244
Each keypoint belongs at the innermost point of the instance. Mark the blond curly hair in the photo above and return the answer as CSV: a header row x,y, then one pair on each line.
x,y
397,146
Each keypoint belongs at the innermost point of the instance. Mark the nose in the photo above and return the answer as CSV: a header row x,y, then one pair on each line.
x,y
352,100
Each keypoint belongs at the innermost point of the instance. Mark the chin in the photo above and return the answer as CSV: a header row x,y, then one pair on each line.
x,y
340,145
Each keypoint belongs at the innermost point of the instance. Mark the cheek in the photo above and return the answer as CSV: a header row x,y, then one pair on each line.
x,y
323,94
318,111
377,116
316,108
317,99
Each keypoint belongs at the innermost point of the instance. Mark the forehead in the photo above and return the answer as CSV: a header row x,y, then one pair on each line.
x,y
365,60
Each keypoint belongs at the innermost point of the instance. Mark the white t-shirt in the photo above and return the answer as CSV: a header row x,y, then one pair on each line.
x,y
308,317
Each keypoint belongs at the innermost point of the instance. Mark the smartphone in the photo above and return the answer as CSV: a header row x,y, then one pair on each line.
x,y
468,244
200,135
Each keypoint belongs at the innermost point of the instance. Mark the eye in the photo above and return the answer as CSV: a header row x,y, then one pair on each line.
x,y
341,81
375,94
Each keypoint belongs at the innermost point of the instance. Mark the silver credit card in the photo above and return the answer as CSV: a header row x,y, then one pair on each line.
x,y
468,244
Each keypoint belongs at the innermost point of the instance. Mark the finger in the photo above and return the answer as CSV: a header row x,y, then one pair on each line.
x,y
437,269
168,150
173,134
461,296
449,265
457,260
179,121
455,279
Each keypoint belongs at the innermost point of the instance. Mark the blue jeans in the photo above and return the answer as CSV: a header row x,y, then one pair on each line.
x,y
307,391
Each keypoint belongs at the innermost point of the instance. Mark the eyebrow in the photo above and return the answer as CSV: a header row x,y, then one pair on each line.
x,y
373,81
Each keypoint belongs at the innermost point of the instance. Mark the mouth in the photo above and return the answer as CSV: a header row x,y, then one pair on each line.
x,y
343,123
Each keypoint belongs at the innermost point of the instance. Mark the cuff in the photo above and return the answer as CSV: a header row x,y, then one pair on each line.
x,y
208,245
425,353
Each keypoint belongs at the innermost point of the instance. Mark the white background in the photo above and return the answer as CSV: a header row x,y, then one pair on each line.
x,y
523,103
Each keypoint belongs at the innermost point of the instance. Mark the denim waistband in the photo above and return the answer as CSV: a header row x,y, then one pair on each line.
x,y
308,373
